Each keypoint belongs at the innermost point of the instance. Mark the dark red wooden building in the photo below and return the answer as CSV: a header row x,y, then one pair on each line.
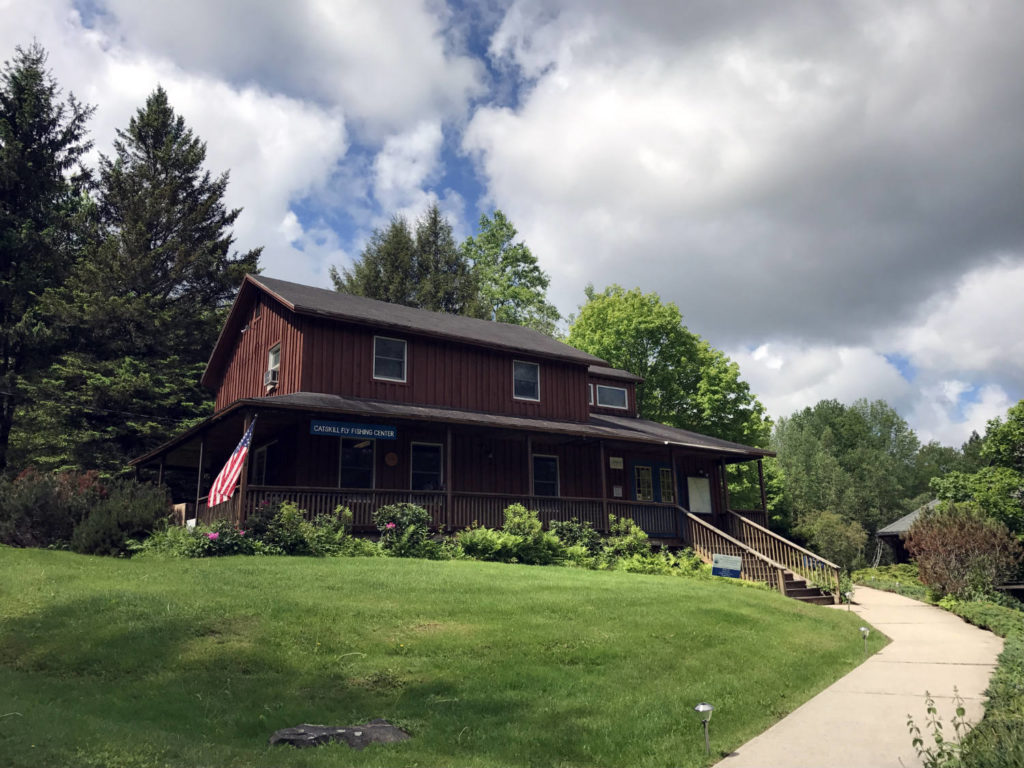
x,y
364,403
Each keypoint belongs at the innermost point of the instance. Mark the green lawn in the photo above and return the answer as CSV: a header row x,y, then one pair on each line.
x,y
145,662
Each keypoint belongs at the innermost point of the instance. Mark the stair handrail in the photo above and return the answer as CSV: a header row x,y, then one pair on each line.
x,y
797,567
780,570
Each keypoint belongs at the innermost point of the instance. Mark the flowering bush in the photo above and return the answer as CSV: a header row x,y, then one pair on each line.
x,y
404,530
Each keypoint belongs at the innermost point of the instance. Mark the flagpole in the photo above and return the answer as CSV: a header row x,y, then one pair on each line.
x,y
243,480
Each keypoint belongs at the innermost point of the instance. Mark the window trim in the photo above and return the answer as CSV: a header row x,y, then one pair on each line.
x,y
536,367
590,389
672,487
625,396
440,475
636,483
405,360
558,475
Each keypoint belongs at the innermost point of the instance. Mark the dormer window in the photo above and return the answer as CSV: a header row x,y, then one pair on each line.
x,y
525,381
389,359
611,397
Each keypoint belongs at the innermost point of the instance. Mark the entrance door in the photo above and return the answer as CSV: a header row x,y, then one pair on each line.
x,y
652,481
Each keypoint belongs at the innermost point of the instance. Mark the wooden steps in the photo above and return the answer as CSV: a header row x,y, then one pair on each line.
x,y
798,588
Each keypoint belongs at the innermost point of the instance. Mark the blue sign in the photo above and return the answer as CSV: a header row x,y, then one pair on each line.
x,y
348,429
726,565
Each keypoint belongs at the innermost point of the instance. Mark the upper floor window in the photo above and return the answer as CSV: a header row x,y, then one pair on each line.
x,y
590,393
270,378
525,380
388,358
611,397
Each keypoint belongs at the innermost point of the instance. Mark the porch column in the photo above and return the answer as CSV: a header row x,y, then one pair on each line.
x,y
448,480
529,465
604,485
159,472
725,486
764,497
199,476
243,480
675,490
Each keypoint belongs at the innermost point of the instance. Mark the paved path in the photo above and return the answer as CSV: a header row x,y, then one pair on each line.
x,y
860,720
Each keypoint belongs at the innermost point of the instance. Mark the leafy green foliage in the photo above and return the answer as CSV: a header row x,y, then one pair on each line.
x,y
404,530
41,509
573,533
999,491
512,286
943,752
833,537
1004,440
962,552
901,578
129,511
521,539
42,208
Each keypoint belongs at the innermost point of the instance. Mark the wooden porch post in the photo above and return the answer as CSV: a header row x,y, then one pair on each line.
x,y
448,480
725,485
675,489
243,480
764,497
604,485
529,465
159,472
199,476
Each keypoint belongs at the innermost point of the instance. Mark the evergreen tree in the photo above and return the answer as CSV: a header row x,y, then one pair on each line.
x,y
138,317
513,287
425,270
42,140
386,269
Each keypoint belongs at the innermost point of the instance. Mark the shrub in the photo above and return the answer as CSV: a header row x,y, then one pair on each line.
x,y
834,537
626,539
488,544
289,532
962,552
522,539
41,509
404,530
130,511
574,533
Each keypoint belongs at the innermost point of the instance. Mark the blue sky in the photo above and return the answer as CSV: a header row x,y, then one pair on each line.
x,y
830,192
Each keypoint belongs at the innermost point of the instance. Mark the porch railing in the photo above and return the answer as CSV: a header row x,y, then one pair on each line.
x,y
707,541
815,569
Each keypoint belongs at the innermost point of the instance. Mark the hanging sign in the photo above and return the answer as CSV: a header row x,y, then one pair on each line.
x,y
348,429
726,565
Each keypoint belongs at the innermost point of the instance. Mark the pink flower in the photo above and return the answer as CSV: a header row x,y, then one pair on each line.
x,y
389,526
213,536
241,533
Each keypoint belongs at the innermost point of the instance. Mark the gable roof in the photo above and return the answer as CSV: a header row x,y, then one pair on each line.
x,y
330,304
604,372
903,524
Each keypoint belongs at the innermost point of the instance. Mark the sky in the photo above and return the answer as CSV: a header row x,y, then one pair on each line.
x,y
832,193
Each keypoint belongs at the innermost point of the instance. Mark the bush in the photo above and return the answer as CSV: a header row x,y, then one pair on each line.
x,y
288,531
130,511
522,539
834,537
41,509
574,533
404,530
961,552
626,539
900,578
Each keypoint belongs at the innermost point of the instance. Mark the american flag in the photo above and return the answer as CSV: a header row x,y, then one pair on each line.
x,y
224,486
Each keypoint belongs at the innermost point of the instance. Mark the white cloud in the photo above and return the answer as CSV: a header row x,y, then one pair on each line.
x,y
405,164
945,412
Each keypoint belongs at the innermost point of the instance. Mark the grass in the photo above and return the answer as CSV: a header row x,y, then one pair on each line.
x,y
150,662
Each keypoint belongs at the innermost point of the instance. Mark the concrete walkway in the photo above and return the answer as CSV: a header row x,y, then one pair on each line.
x,y
860,721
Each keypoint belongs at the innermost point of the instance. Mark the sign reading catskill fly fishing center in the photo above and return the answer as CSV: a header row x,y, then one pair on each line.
x,y
348,429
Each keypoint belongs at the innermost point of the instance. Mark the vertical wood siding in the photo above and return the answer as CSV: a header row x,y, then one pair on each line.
x,y
247,361
630,388
338,360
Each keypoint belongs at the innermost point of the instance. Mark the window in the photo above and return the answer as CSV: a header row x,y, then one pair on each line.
x,y
355,463
525,380
590,393
258,309
545,475
699,491
611,397
274,358
668,489
644,483
388,359
427,467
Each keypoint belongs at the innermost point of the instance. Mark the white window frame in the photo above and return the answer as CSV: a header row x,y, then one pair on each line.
x,y
625,397
636,481
274,358
536,367
405,360
590,390
558,475
440,451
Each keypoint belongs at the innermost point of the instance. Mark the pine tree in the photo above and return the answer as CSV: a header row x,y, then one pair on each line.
x,y
386,269
138,317
42,140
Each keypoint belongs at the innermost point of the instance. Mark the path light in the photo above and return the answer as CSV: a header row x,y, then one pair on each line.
x,y
849,600
704,710
865,632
